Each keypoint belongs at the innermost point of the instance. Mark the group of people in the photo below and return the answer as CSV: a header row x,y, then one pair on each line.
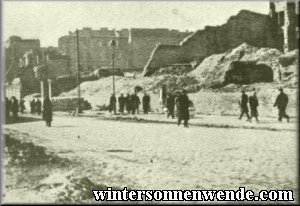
x,y
35,106
129,103
14,106
281,103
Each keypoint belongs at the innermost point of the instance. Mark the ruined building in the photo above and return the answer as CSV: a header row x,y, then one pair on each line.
x,y
133,49
285,15
276,30
15,47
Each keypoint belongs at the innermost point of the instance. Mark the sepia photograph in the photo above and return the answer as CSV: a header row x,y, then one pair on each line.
x,y
149,102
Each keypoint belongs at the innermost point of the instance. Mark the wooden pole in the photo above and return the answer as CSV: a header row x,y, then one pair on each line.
x,y
78,74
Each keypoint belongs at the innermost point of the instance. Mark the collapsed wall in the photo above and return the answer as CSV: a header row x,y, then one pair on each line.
x,y
246,27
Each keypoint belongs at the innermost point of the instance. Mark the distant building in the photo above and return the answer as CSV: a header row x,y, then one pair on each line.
x,y
134,47
29,67
15,48
285,15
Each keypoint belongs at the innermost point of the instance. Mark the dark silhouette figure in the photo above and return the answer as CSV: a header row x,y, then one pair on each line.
x,y
47,111
170,105
38,105
253,103
121,101
134,103
22,106
112,104
14,108
244,106
32,107
7,108
183,108
281,103
146,103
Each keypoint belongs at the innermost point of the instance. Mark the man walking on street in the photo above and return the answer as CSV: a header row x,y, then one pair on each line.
x,y
244,105
183,108
253,103
281,103
47,111
22,106
121,101
38,107
146,103
170,105
112,104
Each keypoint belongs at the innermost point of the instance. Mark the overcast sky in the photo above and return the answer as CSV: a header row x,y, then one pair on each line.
x,y
48,21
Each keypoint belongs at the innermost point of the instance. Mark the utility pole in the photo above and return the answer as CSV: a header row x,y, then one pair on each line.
x,y
113,45
78,75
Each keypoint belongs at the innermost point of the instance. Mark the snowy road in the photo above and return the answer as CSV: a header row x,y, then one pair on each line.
x,y
164,156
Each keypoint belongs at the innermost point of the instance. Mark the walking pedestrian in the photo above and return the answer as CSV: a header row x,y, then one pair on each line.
x,y
112,104
38,106
121,101
170,105
14,108
146,103
134,103
32,106
47,111
183,108
22,106
281,103
253,103
244,105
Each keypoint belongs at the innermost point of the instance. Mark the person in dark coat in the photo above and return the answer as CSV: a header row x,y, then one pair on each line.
x,y
22,106
127,103
112,103
170,105
244,105
47,111
121,101
281,103
146,103
7,108
14,108
183,108
253,103
134,103
32,106
38,106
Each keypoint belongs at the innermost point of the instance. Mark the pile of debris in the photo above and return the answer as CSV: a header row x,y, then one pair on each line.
x,y
18,153
242,65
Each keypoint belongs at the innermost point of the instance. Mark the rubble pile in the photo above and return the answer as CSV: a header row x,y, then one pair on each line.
x,y
69,104
18,153
289,63
176,69
238,65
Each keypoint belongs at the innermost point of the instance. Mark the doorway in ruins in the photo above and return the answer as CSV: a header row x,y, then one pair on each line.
x,y
248,73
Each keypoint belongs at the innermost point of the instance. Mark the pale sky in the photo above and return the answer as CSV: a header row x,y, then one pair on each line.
x,y
48,20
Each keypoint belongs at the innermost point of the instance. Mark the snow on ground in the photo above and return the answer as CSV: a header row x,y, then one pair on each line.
x,y
164,156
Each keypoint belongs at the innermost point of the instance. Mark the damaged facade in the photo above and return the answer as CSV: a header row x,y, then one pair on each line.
x,y
134,47
276,30
285,15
